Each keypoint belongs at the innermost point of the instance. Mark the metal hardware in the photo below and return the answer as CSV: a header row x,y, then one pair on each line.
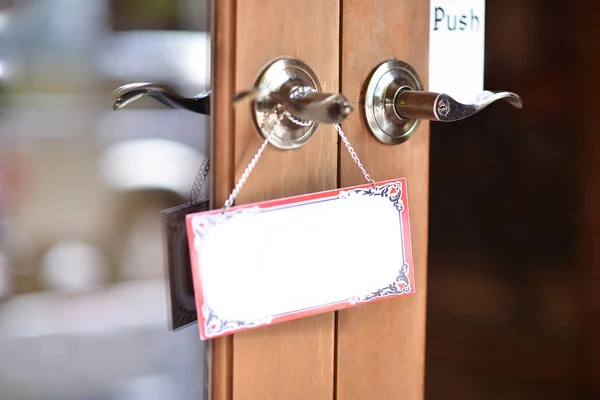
x,y
353,154
285,86
289,85
274,120
303,102
385,81
443,108
166,95
394,103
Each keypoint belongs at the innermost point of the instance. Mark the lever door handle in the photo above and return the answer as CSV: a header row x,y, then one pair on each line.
x,y
301,102
285,85
304,103
443,108
394,103
166,95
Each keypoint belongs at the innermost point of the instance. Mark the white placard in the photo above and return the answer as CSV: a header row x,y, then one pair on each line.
x,y
457,48
273,262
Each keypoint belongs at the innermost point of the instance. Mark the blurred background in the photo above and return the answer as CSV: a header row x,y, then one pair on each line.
x,y
514,207
514,217
83,312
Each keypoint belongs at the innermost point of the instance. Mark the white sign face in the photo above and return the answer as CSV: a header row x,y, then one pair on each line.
x,y
457,48
286,259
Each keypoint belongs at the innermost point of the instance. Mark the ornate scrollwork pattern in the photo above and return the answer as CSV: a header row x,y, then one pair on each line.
x,y
203,225
213,325
401,284
391,191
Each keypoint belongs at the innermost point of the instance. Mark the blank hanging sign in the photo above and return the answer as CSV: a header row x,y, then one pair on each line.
x,y
275,261
457,48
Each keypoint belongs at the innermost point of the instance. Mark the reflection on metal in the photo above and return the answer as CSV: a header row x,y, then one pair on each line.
x,y
284,85
385,81
443,108
394,103
289,85
164,94
327,108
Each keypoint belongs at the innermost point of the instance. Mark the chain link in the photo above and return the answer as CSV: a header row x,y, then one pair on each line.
x,y
298,93
353,154
296,120
251,165
279,117
196,189
301,91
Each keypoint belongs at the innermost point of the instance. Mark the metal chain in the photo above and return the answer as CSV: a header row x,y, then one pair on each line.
x,y
353,154
251,165
196,189
296,120
301,91
297,93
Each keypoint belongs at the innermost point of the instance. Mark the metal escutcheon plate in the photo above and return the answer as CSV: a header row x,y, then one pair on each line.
x,y
284,74
379,97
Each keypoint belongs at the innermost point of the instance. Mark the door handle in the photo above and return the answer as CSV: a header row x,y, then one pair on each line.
x,y
329,108
285,85
443,108
394,103
166,95
305,103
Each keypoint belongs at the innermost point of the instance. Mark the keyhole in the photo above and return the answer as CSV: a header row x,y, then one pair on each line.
x,y
443,107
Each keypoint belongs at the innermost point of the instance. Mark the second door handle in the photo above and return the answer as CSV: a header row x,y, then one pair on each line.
x,y
443,108
394,102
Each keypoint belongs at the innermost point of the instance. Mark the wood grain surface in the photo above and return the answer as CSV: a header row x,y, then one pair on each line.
x,y
381,346
291,360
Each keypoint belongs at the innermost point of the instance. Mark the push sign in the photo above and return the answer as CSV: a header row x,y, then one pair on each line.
x,y
456,48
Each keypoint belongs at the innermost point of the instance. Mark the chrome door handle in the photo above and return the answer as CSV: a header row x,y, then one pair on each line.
x,y
303,103
291,88
166,95
443,108
394,103
329,108
285,85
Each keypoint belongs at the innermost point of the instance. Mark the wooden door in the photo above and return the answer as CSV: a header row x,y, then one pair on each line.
x,y
371,351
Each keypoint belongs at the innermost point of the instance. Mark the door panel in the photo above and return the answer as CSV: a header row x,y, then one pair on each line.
x,y
292,360
381,346
376,351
